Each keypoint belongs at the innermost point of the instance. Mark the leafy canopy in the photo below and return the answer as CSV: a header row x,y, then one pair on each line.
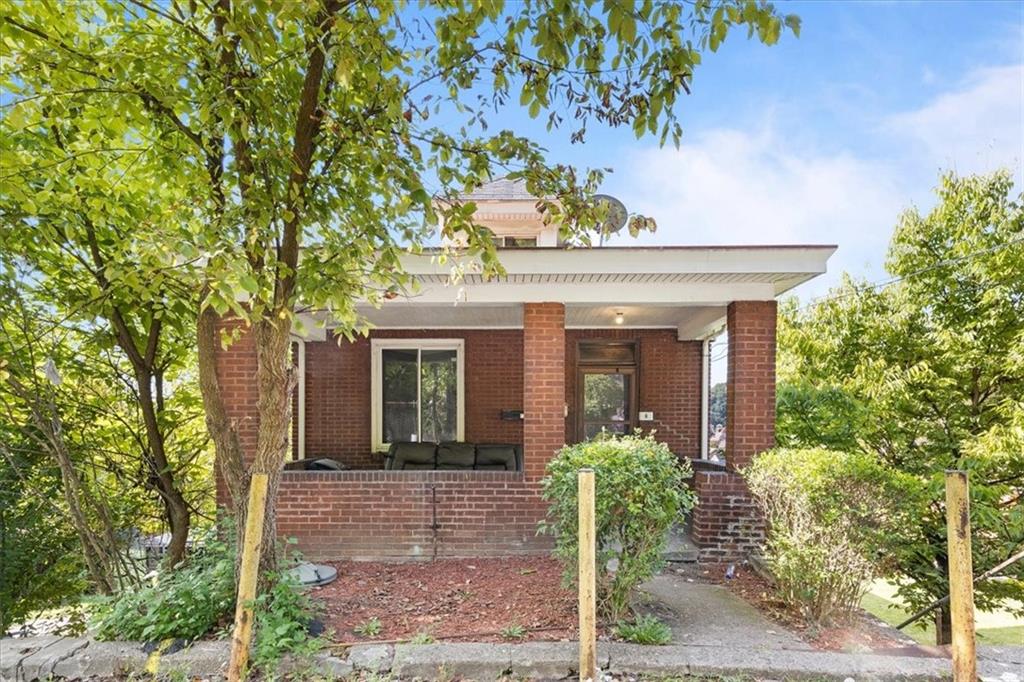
x,y
236,132
928,374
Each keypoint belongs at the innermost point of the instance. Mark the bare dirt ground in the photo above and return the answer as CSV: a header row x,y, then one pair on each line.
x,y
522,599
451,599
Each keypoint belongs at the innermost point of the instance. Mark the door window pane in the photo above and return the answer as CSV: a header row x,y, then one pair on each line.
x,y
398,389
438,395
606,403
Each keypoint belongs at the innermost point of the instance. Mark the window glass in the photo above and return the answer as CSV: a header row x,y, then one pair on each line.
x,y
438,395
607,353
398,390
605,403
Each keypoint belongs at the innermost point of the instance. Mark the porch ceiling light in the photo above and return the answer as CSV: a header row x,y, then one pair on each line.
x,y
619,317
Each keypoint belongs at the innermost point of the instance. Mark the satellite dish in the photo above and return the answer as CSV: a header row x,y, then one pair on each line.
x,y
617,215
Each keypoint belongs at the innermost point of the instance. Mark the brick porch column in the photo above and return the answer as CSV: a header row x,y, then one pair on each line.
x,y
750,386
543,384
726,523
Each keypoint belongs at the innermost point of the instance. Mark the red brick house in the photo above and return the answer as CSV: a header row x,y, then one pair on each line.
x,y
570,341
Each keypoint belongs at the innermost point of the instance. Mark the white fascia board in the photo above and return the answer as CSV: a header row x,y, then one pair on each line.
x,y
811,260
590,293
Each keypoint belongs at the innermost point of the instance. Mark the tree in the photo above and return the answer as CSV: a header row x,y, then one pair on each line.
x,y
73,445
90,203
928,374
308,126
716,408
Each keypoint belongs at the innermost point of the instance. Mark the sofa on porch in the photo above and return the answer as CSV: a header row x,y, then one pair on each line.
x,y
452,456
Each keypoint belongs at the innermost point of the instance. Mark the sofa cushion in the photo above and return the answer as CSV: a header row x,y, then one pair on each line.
x,y
413,455
496,457
456,455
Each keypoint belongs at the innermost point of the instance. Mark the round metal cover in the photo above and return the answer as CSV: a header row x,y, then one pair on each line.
x,y
314,575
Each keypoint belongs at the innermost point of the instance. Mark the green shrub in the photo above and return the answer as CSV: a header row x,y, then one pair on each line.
x,y
639,495
829,514
186,603
283,614
644,630
196,599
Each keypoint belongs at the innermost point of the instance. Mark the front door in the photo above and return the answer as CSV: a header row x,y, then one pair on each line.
x,y
606,387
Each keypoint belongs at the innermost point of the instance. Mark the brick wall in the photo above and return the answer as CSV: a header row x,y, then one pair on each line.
x,y
338,391
669,376
410,515
543,384
726,524
750,385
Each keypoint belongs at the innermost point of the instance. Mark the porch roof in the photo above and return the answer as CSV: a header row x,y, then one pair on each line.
x,y
683,287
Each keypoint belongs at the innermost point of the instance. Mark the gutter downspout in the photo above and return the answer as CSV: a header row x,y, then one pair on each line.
x,y
705,394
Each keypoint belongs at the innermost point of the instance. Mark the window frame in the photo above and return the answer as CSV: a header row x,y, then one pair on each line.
x,y
377,388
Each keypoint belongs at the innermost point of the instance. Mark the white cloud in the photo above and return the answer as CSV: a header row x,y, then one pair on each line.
x,y
729,186
976,127
733,187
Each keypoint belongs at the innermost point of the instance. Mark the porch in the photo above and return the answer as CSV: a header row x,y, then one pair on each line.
x,y
567,344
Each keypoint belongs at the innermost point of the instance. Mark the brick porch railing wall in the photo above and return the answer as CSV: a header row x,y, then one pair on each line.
x,y
410,514
726,524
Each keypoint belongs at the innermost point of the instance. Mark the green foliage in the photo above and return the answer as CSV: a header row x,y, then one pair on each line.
x,y
192,83
514,631
830,515
40,567
422,637
283,613
926,375
639,495
369,628
716,405
187,603
645,630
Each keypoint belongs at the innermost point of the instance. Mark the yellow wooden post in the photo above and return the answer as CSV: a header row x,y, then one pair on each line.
x,y
248,577
961,576
587,581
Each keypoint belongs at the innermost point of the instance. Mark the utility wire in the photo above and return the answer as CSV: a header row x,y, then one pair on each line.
x,y
910,275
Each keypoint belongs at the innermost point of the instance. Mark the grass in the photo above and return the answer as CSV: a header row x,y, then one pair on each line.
x,y
513,632
645,630
369,628
991,627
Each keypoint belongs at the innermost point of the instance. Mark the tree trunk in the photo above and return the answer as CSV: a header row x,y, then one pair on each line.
x,y
179,517
223,431
943,625
275,377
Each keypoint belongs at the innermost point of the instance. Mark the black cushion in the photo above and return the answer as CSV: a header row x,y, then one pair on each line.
x,y
456,455
413,455
496,457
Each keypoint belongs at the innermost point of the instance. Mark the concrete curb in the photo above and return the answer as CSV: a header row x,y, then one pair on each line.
x,y
45,657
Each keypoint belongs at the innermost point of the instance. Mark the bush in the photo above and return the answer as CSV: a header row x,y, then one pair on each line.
x,y
639,495
283,615
829,515
197,598
186,603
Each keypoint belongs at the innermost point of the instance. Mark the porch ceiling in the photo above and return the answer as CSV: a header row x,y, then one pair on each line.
x,y
683,287
405,315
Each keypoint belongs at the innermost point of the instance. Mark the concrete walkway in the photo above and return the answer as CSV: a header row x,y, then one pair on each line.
x,y
41,658
710,615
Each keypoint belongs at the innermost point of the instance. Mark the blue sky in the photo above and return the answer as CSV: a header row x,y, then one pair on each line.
x,y
826,138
